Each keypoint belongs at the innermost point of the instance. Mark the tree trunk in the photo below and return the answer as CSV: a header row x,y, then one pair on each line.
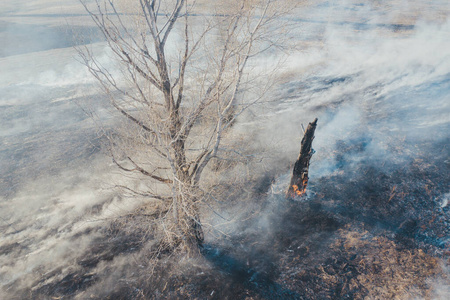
x,y
191,235
299,179
197,231
188,223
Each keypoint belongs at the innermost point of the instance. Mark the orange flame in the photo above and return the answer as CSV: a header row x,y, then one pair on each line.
x,y
298,191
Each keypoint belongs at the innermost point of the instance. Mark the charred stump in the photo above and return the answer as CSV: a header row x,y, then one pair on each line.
x,y
299,179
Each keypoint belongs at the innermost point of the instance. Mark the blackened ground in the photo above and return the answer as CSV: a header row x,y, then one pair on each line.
x,y
402,197
371,229
368,230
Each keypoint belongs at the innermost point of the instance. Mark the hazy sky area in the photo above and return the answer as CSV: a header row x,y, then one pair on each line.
x,y
371,71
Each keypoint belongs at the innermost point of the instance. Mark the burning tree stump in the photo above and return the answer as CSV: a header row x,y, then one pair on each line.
x,y
299,179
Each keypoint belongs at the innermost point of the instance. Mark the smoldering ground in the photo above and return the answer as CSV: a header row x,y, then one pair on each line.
x,y
49,152
374,223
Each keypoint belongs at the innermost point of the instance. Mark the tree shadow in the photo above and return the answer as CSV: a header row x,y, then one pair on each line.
x,y
249,278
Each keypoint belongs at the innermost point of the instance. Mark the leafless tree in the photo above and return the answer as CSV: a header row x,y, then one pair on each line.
x,y
181,80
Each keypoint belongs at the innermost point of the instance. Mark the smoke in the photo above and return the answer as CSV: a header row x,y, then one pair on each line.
x,y
378,80
53,175
365,80
376,75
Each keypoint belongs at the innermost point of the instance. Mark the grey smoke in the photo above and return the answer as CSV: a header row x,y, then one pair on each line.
x,y
368,82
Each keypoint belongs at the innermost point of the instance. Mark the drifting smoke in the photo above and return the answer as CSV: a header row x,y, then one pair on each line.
x,y
380,91
377,79
50,163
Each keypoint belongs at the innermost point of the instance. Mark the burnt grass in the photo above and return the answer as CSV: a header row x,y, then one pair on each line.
x,y
367,231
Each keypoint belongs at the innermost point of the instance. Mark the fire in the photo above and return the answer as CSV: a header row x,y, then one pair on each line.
x,y
298,191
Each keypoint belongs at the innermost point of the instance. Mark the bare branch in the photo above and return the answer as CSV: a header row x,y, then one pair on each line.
x,y
179,101
137,168
164,180
149,195
171,21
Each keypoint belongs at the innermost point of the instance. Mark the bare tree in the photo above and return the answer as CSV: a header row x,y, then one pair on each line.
x,y
181,80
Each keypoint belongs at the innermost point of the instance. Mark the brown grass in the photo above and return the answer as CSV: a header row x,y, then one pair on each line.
x,y
385,269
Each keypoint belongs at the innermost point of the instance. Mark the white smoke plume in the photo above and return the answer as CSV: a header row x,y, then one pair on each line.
x,y
375,74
